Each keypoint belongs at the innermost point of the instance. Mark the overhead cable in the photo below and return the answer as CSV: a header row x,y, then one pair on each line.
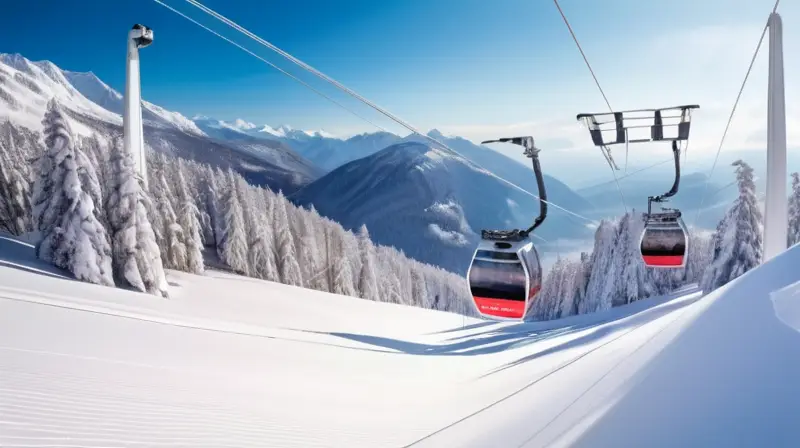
x,y
733,111
359,97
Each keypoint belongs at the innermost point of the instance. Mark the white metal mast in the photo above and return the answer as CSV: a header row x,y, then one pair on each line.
x,y
775,215
138,37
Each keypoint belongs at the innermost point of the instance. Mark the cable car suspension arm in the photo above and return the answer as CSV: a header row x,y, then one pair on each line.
x,y
676,152
532,153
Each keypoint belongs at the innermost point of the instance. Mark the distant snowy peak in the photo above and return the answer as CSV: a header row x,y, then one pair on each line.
x,y
265,131
26,87
437,134
85,92
285,131
243,125
172,118
280,131
423,155
96,90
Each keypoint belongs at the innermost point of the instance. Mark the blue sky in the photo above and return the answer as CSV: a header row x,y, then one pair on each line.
x,y
469,67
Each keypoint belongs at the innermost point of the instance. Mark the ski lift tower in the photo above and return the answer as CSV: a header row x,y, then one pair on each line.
x,y
139,36
775,213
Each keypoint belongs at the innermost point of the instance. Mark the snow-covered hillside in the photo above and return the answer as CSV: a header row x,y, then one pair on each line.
x,y
321,148
259,145
331,153
428,202
515,172
94,107
230,361
26,87
90,86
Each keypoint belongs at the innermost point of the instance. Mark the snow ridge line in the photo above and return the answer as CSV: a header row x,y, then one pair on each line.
x,y
592,386
536,381
44,300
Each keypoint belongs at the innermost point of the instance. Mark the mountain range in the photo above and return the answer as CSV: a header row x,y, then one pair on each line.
x,y
430,202
426,200
94,107
415,195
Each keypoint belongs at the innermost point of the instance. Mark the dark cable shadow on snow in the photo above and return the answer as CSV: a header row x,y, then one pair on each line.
x,y
579,322
575,322
469,347
604,330
20,255
516,336
466,327
33,270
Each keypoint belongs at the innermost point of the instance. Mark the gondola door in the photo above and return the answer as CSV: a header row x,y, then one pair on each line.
x,y
499,283
664,245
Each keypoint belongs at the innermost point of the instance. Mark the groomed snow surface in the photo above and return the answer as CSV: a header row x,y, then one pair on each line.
x,y
235,362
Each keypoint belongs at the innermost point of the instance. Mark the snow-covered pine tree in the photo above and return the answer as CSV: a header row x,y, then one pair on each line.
x,y
233,245
135,252
721,243
419,288
221,178
94,151
698,258
71,236
577,296
793,232
189,221
261,253
308,251
173,249
350,244
341,269
403,271
209,206
572,281
549,297
250,200
15,194
367,279
286,257
738,241
599,291
634,284
93,180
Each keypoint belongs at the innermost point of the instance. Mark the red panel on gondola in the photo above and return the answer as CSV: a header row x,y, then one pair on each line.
x,y
498,284
663,260
501,308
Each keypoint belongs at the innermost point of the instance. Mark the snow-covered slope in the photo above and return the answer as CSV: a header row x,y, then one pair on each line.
x,y
428,202
239,135
232,361
719,373
26,87
331,153
515,172
101,94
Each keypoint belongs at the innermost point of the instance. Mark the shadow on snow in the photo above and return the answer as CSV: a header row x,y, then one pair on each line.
x,y
524,334
605,329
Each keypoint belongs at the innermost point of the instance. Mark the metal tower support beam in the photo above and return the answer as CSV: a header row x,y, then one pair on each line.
x,y
775,214
133,133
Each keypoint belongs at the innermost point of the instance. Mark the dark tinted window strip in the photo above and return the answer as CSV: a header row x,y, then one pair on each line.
x,y
497,255
516,294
